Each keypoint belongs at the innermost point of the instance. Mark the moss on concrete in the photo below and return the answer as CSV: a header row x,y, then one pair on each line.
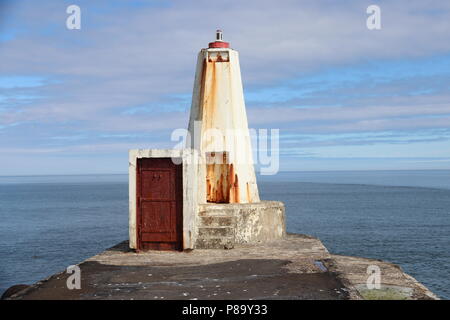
x,y
384,294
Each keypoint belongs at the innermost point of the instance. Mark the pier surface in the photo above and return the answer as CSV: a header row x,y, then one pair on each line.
x,y
297,267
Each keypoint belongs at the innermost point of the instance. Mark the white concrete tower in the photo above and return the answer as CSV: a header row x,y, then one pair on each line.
x,y
219,129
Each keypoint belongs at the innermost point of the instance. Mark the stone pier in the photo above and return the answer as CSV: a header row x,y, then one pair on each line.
x,y
296,267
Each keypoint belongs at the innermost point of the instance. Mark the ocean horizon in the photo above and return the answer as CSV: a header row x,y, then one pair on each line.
x,y
400,216
431,178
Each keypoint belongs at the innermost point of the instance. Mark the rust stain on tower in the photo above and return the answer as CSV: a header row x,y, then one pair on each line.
x,y
222,137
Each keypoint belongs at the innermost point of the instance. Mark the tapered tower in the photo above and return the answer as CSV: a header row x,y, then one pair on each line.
x,y
218,126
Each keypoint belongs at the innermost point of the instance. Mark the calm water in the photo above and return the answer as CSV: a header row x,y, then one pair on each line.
x,y
48,223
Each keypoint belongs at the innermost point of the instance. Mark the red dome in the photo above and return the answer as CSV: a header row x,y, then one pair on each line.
x,y
219,44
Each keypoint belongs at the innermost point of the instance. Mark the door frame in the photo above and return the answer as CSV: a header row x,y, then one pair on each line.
x,y
192,186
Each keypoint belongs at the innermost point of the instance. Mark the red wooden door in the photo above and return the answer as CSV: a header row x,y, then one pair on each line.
x,y
159,204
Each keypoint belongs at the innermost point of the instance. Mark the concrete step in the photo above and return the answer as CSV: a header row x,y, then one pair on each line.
x,y
214,243
215,232
217,221
217,212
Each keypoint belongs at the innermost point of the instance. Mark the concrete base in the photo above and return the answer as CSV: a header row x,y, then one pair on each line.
x,y
222,225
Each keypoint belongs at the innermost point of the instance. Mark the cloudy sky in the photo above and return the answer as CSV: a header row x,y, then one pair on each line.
x,y
344,97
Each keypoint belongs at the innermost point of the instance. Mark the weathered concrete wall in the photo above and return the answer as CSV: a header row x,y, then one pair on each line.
x,y
190,165
263,221
225,224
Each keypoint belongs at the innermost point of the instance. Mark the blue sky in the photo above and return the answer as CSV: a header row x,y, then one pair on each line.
x,y
344,97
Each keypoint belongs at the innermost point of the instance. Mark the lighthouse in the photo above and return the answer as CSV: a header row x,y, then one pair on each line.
x,y
203,196
218,126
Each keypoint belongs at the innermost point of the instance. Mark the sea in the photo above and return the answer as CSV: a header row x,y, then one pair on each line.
x,y
50,222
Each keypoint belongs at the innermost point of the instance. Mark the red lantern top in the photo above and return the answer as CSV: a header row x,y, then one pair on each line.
x,y
219,43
